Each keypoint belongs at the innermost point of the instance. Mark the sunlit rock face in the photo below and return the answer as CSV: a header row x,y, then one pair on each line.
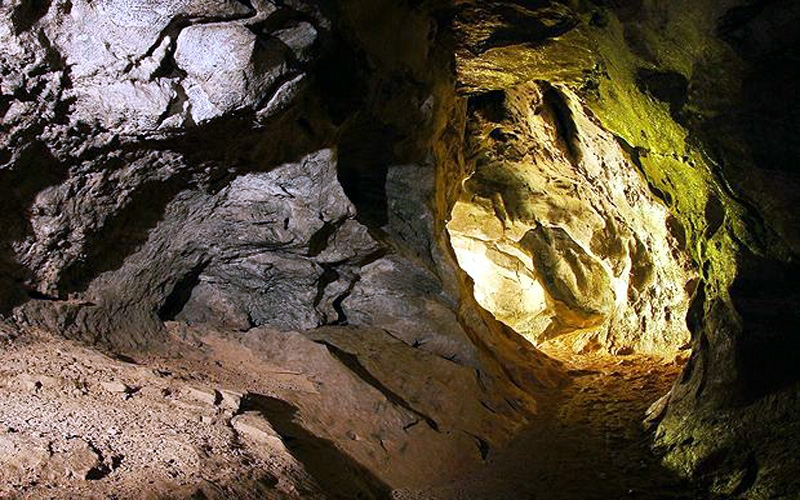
x,y
560,232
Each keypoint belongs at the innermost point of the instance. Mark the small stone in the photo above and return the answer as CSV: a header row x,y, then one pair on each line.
x,y
115,387
31,384
34,383
81,460
256,427
206,396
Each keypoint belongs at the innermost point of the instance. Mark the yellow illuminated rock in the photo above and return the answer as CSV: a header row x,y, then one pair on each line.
x,y
561,234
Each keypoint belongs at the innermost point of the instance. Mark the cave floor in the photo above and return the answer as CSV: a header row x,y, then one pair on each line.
x,y
587,442
77,423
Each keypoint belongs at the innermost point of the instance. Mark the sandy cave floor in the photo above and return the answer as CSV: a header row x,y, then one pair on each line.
x,y
587,443
76,423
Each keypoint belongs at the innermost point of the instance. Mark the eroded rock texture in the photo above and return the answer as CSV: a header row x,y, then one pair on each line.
x,y
342,187
560,232
266,172
100,96
676,83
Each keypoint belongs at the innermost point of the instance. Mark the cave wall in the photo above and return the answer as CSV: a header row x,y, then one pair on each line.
x,y
128,116
148,176
153,176
687,88
269,172
555,200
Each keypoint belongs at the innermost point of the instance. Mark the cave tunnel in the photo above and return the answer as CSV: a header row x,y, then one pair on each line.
x,y
396,249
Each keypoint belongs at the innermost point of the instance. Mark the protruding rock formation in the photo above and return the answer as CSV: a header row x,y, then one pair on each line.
x,y
560,232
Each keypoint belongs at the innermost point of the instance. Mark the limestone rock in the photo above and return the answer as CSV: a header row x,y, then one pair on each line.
x,y
115,387
564,236
227,68
572,276
201,395
77,461
231,400
414,308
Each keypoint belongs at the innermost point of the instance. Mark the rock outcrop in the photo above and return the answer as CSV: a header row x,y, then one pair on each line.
x,y
215,165
561,234
687,89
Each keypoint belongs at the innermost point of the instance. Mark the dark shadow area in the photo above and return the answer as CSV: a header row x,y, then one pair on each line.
x,y
35,170
564,121
765,294
181,293
339,476
587,442
626,10
29,13
757,128
365,154
666,86
523,22
773,114
490,105
122,234
341,75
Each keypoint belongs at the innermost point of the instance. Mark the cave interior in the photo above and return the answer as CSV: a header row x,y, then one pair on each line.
x,y
406,249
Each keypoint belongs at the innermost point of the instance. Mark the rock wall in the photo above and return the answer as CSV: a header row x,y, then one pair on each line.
x,y
293,165
560,232
268,172
688,89
123,116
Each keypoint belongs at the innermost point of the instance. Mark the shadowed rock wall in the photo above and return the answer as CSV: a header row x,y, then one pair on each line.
x,y
269,172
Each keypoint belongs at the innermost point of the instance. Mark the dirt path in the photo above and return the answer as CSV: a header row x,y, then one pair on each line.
x,y
588,442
